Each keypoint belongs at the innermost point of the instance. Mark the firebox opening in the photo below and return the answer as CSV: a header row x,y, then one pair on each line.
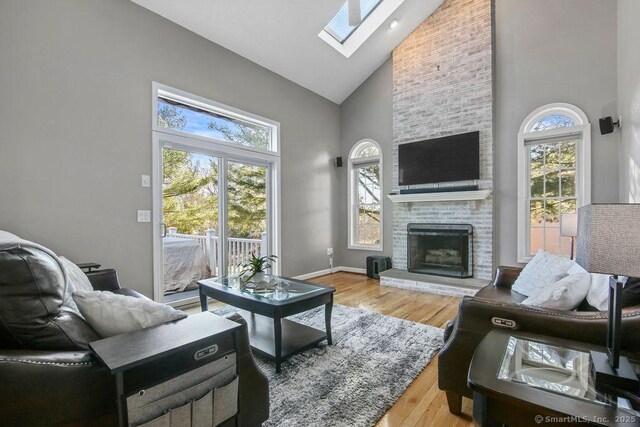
x,y
440,249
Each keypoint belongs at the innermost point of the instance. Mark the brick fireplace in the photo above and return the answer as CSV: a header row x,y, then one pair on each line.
x,y
443,85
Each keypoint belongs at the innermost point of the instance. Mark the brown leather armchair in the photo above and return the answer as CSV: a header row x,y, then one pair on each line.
x,y
476,317
48,375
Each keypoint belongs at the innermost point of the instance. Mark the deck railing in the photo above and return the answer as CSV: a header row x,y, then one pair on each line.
x,y
239,249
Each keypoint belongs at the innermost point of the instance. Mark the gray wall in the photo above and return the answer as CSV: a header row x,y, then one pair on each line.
x,y
366,113
629,98
546,51
75,130
552,51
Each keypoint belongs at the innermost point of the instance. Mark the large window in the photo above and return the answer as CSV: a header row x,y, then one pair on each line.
x,y
216,191
554,176
365,195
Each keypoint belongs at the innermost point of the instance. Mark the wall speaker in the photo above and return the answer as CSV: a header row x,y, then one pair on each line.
x,y
607,125
338,162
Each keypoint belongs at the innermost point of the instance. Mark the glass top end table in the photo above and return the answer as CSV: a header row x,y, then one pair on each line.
x,y
520,378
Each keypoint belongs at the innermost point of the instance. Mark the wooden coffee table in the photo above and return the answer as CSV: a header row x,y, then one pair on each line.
x,y
270,333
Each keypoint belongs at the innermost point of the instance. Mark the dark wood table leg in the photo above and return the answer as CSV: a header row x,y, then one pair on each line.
x,y
204,301
122,416
480,411
327,320
277,329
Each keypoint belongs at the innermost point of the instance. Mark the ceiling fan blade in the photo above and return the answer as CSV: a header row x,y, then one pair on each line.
x,y
355,14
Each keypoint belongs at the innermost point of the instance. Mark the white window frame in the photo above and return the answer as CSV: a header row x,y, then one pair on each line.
x,y
164,91
369,25
353,191
526,136
165,137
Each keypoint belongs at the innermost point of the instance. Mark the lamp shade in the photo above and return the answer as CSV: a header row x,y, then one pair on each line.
x,y
609,239
569,224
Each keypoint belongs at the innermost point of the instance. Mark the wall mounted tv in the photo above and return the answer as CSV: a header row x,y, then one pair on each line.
x,y
451,158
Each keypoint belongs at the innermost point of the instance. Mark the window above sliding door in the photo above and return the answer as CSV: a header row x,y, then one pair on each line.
x,y
181,113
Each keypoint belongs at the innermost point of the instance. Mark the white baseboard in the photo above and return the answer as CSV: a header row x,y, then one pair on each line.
x,y
351,270
314,274
329,271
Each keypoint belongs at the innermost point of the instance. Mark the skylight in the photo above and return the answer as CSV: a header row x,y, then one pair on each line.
x,y
345,38
339,27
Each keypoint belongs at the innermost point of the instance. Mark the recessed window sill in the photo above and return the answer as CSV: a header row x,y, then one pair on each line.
x,y
376,248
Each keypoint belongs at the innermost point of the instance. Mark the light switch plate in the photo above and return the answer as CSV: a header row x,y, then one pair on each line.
x,y
144,216
146,181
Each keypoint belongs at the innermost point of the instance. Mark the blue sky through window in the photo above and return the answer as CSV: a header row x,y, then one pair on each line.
x,y
212,125
194,122
552,121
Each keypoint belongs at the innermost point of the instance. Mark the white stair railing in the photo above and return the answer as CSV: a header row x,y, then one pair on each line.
x,y
212,250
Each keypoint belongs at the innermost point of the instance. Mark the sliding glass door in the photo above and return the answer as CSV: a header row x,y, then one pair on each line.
x,y
216,211
190,220
247,212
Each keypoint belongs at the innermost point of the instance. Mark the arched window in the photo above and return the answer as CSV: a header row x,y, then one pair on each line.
x,y
554,176
365,196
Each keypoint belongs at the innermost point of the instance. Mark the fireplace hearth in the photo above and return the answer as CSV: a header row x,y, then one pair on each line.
x,y
440,249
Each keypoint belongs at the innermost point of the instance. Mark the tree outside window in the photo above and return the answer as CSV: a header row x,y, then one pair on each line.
x,y
365,192
190,185
554,176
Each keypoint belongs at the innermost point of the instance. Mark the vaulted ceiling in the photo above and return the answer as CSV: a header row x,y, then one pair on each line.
x,y
282,36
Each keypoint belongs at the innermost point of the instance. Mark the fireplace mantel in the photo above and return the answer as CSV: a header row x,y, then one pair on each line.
x,y
449,196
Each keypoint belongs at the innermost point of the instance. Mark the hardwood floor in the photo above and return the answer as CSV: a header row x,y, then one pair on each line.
x,y
423,404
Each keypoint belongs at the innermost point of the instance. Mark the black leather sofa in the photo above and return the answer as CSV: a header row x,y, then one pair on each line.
x,y
48,375
474,321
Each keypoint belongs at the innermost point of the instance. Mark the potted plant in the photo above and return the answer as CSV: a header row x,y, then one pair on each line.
x,y
255,268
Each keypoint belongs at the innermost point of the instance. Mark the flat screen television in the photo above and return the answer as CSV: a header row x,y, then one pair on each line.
x,y
451,158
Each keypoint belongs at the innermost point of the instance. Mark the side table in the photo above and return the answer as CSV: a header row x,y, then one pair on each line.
x,y
522,379
149,357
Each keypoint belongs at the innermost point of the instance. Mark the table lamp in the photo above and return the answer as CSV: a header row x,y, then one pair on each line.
x,y
569,227
609,243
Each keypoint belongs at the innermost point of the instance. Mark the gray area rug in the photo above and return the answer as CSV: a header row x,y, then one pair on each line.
x,y
372,361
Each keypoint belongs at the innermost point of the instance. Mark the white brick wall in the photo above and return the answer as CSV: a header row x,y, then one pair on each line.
x,y
442,85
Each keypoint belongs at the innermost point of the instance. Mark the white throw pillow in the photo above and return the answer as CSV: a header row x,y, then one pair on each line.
x,y
577,268
565,294
76,281
598,295
544,269
111,314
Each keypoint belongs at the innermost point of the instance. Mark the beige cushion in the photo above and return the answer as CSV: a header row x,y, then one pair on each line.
x,y
110,314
